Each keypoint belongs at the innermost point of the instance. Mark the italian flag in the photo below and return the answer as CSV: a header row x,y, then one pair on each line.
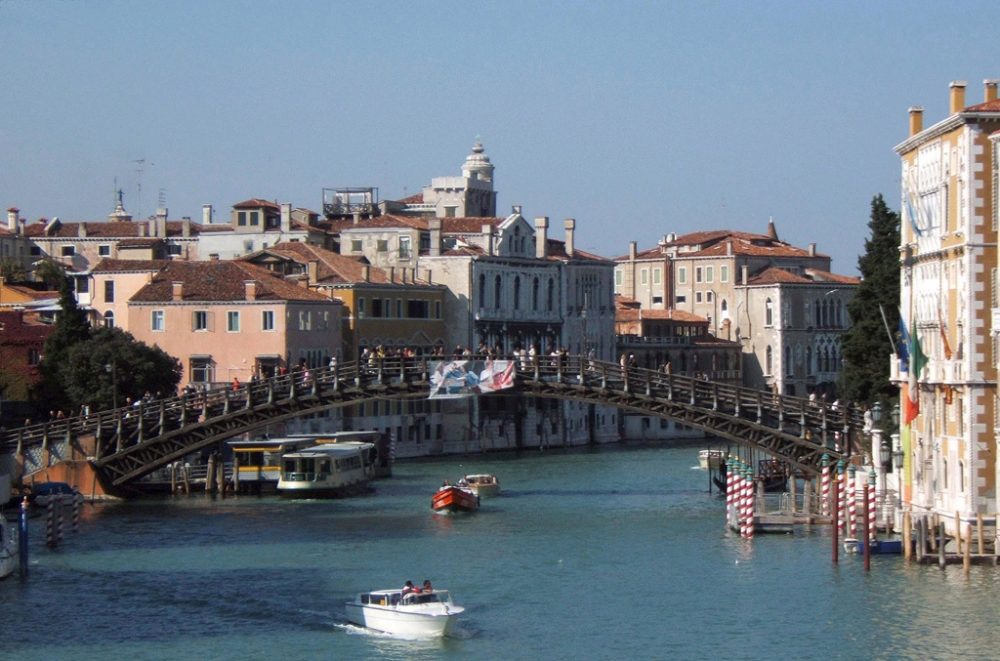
x,y
911,391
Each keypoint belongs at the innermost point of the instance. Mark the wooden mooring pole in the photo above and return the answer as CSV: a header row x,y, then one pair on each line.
x,y
907,536
835,528
867,536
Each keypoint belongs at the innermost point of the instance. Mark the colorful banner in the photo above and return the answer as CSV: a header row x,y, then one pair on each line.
x,y
462,378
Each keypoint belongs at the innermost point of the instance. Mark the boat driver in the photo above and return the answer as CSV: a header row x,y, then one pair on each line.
x,y
428,587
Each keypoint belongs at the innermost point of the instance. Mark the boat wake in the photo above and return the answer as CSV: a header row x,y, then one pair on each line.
x,y
355,630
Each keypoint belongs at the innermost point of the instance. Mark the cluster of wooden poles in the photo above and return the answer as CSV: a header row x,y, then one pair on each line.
x,y
57,518
740,496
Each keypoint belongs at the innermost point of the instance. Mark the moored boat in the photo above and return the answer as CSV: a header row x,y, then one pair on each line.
x,y
450,498
711,459
426,614
331,470
483,485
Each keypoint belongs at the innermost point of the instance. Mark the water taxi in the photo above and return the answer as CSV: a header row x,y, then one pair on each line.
x,y
711,459
482,484
331,470
427,614
451,498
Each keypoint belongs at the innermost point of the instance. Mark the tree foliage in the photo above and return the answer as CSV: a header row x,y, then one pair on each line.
x,y
99,367
51,272
112,366
867,346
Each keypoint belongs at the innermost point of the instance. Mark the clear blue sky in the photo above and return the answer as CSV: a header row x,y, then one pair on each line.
x,y
636,118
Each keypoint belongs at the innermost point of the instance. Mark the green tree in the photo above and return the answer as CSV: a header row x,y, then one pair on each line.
x,y
867,346
11,270
112,366
51,272
71,328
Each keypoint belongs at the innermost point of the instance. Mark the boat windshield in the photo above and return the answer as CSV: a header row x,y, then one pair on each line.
x,y
422,598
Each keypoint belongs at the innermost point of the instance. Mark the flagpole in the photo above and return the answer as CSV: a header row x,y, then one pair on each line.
x,y
892,340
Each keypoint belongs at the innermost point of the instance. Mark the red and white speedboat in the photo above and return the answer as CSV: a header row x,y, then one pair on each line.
x,y
450,498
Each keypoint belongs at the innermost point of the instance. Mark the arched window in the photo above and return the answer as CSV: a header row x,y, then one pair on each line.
x,y
109,319
550,296
768,359
482,290
534,295
497,292
819,314
724,309
517,293
788,361
768,313
809,361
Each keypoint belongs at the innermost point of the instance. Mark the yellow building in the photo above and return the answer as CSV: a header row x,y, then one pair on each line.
x,y
948,301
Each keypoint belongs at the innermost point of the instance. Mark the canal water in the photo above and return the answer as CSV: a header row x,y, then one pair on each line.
x,y
605,554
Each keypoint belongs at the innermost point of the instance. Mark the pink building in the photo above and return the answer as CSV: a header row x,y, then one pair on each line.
x,y
227,320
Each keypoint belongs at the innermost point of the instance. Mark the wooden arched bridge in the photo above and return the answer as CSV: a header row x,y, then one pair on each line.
x,y
125,444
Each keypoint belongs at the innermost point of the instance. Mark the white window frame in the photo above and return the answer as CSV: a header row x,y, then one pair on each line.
x,y
157,321
233,321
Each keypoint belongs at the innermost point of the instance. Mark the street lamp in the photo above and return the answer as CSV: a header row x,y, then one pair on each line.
x,y
110,369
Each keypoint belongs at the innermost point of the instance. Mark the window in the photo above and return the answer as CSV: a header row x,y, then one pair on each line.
x,y
305,320
109,291
681,298
768,314
708,296
723,274
176,249
657,276
156,321
68,251
682,275
449,212
255,218
33,356
109,319
267,320
644,276
550,296
381,245
437,309
356,245
199,320
404,247
361,308
517,293
619,278
698,274
233,321
82,285
496,292
201,369
709,273
399,309
768,361
697,297
657,300
104,250
534,294
241,218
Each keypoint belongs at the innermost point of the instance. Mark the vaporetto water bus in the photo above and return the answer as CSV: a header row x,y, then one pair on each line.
x,y
330,470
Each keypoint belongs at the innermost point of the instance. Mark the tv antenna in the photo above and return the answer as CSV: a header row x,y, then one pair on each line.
x,y
140,168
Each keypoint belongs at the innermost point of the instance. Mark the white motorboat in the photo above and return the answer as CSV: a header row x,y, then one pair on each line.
x,y
483,485
711,459
427,614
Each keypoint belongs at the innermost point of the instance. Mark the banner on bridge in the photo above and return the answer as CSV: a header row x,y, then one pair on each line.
x,y
462,378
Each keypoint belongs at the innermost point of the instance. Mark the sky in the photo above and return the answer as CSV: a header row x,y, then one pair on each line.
x,y
636,118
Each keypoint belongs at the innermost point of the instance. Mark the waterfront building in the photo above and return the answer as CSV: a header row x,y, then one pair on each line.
x,y
674,342
227,320
781,303
105,290
948,300
22,342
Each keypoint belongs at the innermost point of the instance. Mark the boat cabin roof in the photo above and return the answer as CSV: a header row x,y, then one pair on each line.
x,y
349,448
393,597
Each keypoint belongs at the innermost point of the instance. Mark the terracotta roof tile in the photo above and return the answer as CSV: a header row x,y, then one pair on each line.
x,y
221,281
257,203
988,106
332,268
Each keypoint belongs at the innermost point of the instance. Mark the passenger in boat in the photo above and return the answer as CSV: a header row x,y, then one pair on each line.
x,y
410,587
428,587
444,485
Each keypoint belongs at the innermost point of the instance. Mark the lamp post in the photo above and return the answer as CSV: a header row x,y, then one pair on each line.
x,y
110,368
898,459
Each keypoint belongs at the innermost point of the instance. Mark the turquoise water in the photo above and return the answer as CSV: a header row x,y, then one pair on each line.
x,y
615,553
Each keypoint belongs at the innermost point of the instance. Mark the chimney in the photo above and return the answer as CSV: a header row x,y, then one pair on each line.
x,y
356,217
366,272
186,227
916,120
957,97
286,217
990,89
772,231
570,225
434,225
744,274
812,249
250,289
214,257
312,271
633,250
516,208
729,248
487,231
541,237
161,223
12,218
142,230
81,230
177,291
206,214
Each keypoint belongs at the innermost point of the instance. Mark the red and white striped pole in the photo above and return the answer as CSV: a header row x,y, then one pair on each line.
x,y
732,490
842,494
750,506
741,495
872,514
852,503
825,485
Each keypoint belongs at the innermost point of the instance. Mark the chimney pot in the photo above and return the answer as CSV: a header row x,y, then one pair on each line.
x,y
177,290
206,214
12,218
286,217
434,225
812,249
633,250
250,289
990,89
916,120
957,96
312,271
487,231
570,225
541,237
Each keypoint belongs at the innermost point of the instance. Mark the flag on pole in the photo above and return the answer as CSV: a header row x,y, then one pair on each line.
x,y
911,403
903,347
944,341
